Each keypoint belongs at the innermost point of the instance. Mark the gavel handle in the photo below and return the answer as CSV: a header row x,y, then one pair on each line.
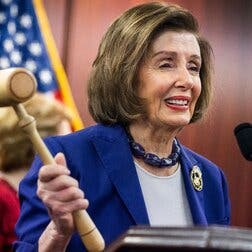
x,y
87,230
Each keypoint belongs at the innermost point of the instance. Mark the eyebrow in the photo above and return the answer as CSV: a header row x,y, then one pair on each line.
x,y
172,53
195,56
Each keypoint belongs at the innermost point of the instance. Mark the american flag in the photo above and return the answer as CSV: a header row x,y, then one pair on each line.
x,y
22,44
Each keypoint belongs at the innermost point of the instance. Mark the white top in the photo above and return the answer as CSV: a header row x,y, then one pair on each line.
x,y
165,198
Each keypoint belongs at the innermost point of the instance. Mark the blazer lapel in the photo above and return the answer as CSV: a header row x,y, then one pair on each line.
x,y
117,160
195,198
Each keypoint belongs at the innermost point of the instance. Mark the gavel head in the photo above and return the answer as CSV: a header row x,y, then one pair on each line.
x,y
17,85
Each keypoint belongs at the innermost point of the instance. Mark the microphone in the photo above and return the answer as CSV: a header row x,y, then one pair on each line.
x,y
243,133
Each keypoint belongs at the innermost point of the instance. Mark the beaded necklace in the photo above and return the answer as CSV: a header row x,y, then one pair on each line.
x,y
152,159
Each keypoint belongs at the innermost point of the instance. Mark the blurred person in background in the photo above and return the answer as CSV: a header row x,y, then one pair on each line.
x,y
17,153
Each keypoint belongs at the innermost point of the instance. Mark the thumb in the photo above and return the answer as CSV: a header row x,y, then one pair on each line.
x,y
60,159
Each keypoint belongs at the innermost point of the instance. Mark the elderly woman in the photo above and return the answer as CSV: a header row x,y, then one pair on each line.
x,y
151,77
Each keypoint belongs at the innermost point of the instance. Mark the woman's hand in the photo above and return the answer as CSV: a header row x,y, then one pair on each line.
x,y
61,195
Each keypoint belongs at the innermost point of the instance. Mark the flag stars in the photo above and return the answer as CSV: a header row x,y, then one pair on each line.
x,y
45,76
26,21
6,2
4,62
21,44
20,38
31,65
16,57
2,17
14,10
8,45
35,48
11,28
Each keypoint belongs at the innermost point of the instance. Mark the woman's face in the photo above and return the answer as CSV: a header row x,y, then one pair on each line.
x,y
169,79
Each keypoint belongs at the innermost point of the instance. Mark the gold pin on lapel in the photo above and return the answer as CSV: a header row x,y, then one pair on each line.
x,y
196,178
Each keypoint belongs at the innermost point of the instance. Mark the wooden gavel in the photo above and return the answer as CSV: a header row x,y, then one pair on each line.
x,y
18,85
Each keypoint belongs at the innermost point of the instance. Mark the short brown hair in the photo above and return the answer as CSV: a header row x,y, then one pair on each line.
x,y
16,150
112,87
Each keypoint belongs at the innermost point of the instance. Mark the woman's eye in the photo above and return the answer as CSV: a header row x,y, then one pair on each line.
x,y
166,65
194,68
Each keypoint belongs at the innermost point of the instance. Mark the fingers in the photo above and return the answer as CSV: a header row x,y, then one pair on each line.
x,y
66,195
60,159
59,191
59,182
48,172
59,209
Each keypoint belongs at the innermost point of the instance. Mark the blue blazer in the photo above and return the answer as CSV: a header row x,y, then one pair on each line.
x,y
100,158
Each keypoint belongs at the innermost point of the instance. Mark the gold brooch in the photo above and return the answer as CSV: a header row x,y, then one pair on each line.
x,y
196,178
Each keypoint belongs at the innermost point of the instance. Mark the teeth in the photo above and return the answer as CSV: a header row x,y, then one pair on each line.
x,y
178,102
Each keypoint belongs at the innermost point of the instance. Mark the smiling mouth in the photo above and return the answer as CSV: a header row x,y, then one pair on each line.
x,y
177,102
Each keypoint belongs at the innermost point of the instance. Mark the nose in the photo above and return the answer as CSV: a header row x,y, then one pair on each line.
x,y
185,79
